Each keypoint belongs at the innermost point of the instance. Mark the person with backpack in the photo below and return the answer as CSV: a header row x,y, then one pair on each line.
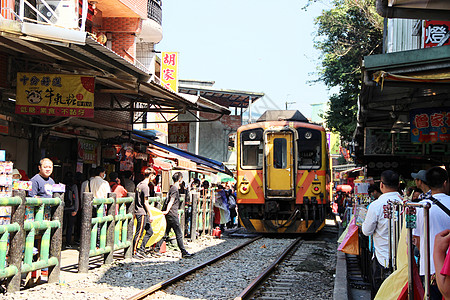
x,y
439,220
71,206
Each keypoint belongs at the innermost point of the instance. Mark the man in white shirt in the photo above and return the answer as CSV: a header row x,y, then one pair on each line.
x,y
437,180
377,225
97,185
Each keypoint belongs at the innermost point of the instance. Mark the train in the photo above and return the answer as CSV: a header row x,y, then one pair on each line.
x,y
282,174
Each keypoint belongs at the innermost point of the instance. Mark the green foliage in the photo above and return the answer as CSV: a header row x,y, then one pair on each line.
x,y
347,32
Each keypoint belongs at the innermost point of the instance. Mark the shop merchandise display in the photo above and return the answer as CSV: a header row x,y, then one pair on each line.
x,y
6,185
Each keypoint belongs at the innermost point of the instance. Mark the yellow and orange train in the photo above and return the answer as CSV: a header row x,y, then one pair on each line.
x,y
282,174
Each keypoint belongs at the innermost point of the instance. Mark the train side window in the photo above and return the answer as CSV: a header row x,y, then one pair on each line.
x,y
279,153
252,149
309,148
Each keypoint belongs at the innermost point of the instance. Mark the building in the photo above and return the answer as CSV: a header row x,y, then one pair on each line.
x,y
76,76
403,114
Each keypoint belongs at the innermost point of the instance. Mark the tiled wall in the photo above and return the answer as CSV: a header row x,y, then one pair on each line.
x,y
123,32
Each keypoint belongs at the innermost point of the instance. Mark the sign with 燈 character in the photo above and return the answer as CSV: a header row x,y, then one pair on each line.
x,y
430,125
437,33
178,133
169,70
55,95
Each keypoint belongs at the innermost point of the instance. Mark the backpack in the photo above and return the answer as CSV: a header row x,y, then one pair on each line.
x,y
69,197
231,201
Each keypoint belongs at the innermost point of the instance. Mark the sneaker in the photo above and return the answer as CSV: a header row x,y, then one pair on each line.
x,y
187,255
142,253
138,256
156,254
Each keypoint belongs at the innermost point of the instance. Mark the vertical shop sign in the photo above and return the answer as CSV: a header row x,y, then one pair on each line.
x,y
437,33
169,70
88,151
55,95
178,133
430,125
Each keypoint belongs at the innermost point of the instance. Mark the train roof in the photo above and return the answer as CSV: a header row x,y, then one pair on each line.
x,y
282,115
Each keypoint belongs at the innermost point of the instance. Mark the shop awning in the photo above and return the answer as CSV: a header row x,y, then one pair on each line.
x,y
414,9
199,160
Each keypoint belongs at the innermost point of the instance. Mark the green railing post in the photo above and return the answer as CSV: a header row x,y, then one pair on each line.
x,y
16,243
85,237
182,214
108,259
130,225
211,211
194,216
56,241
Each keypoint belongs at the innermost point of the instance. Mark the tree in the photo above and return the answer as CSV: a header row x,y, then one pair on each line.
x,y
347,32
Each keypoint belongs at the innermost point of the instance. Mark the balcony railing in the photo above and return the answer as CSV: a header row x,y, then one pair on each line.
x,y
154,11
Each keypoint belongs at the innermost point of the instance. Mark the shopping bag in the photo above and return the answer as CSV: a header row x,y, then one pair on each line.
x,y
350,244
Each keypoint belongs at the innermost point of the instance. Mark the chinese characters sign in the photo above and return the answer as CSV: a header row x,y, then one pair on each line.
x,y
437,33
430,125
178,133
88,151
169,70
55,95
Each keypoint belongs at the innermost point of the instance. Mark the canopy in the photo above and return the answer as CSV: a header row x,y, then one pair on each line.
x,y
200,160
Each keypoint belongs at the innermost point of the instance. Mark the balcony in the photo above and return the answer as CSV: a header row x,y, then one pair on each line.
x,y
154,11
60,21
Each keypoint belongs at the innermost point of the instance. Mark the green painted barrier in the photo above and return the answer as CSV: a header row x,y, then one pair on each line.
x,y
102,230
22,235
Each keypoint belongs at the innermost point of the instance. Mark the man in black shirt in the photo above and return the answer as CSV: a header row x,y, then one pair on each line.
x,y
143,214
171,213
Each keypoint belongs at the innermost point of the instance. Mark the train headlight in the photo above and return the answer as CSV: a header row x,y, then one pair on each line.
x,y
244,187
308,135
252,135
315,189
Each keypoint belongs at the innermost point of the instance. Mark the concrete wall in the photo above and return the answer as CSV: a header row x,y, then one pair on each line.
x,y
213,142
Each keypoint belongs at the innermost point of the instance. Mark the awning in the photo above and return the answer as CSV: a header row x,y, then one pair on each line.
x,y
199,160
114,74
414,9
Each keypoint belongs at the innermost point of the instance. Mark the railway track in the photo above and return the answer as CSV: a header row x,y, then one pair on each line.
x,y
219,277
237,273
288,276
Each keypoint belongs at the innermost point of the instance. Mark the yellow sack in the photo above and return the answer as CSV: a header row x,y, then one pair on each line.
x,y
158,226
393,285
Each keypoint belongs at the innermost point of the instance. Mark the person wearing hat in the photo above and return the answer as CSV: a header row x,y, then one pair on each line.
x,y
16,175
421,182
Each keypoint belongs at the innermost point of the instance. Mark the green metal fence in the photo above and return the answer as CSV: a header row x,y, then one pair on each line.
x,y
102,230
202,213
22,235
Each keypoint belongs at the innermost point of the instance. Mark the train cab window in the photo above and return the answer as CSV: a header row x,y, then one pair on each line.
x,y
309,147
252,149
279,153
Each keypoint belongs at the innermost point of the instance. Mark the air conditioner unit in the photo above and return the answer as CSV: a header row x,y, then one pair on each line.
x,y
65,12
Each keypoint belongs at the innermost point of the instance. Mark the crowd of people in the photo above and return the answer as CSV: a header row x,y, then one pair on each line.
x,y
431,186
122,183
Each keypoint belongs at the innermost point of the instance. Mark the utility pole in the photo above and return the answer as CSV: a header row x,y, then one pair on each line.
x,y
289,103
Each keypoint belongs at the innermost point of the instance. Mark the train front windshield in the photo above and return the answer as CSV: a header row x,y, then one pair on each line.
x,y
252,149
309,147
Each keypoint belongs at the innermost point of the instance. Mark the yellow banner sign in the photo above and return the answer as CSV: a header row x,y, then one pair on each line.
x,y
169,70
55,95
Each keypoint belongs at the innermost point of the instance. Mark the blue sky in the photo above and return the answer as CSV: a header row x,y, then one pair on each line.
x,y
250,45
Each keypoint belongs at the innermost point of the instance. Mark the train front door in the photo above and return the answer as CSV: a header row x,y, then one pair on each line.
x,y
279,164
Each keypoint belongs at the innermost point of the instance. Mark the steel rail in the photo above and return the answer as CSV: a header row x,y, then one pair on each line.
x,y
180,276
269,270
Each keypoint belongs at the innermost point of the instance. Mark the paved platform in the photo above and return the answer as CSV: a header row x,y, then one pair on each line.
x,y
342,289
